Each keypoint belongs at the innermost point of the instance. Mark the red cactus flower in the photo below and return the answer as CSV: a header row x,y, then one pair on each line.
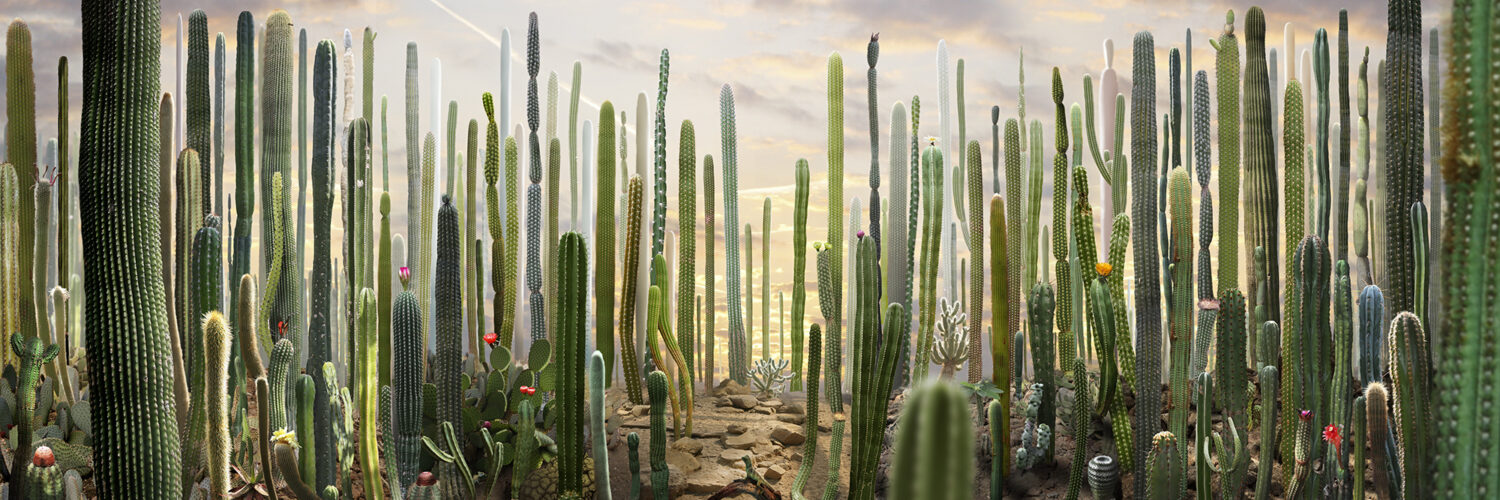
x,y
528,390
491,338
281,328
1331,435
43,457
405,274
487,424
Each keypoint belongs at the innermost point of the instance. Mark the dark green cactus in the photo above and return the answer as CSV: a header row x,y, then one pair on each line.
x,y
572,307
810,424
934,457
320,338
974,171
996,412
31,354
406,330
1340,386
538,309
1320,77
244,158
687,225
20,136
633,441
1060,236
659,156
1041,303
874,366
1147,287
1341,201
1231,386
604,243
1203,389
872,55
932,198
656,385
1165,468
1082,426
134,403
276,110
1383,463
1311,352
1403,155
198,107
1269,399
1410,376
447,369
1357,447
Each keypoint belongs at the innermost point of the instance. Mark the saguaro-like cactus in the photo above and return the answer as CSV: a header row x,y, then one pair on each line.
x,y
738,343
136,437
276,110
1147,286
934,456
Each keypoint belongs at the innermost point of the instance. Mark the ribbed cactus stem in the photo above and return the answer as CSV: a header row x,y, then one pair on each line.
x,y
738,342
1269,399
1260,174
810,425
687,225
932,198
406,331
20,136
799,285
1082,426
596,425
1041,303
974,171
216,340
1231,386
710,333
1147,287
1410,377
656,385
934,445
604,242
572,309
1000,349
627,311
1165,468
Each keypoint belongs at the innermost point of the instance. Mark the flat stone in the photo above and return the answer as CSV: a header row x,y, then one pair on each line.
x,y
640,410
790,436
772,403
736,428
774,472
688,445
789,418
749,439
730,387
732,456
763,451
711,479
743,401
683,462
764,411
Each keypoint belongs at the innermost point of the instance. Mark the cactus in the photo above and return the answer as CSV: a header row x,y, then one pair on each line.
x,y
604,244
996,411
661,315
835,322
1060,237
974,172
951,341
198,106
526,448
215,383
710,334
738,344
46,475
1147,289
134,402
1104,477
20,135
934,456
1041,303
1339,386
447,289
276,108
634,442
656,384
1383,466
282,357
1034,209
596,421
10,315
573,267
932,198
1001,279
1403,155
627,311
1228,74
204,297
406,330
1409,359
1294,193
799,279
1230,369
1180,309
1165,467
1310,351
914,273
1320,75
32,355
1269,400
1082,426
320,339
686,235
1298,481
1260,173
810,425
450,457
1036,439
1357,446
765,279
659,206
1202,383
1111,393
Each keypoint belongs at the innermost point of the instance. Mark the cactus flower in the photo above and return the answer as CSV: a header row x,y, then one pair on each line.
x,y
43,457
1103,268
426,478
286,437
1305,415
1331,435
491,338
860,234
405,274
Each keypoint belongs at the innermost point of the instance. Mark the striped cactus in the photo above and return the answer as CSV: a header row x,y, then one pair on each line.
x,y
1340,386
1310,351
687,224
975,173
244,156
872,55
710,333
1180,307
1403,154
1269,399
1001,278
1341,201
198,107
538,308
1119,238
276,110
799,287
447,369
627,311
932,198
1203,170
406,330
1320,76
874,369
1233,400
1166,468
738,344
1228,92
1260,173
20,136
572,296
320,339
1147,288
10,302
934,456
604,244
133,404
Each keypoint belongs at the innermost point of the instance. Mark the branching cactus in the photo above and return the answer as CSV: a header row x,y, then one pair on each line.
x,y
1147,287
627,311
32,354
934,445
738,343
1467,318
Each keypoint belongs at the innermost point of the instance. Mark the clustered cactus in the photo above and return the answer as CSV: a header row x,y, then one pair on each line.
x,y
337,362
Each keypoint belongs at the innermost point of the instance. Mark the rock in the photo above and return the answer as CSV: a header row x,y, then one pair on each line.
x,y
730,387
774,472
743,401
709,480
793,408
640,410
790,436
688,445
772,403
749,439
682,462
791,418
732,456
736,428
764,411
763,451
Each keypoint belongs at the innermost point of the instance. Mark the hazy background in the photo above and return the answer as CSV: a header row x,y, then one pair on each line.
x,y
773,53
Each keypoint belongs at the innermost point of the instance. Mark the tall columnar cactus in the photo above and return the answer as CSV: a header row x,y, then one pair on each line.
x,y
244,152
20,136
932,198
414,216
738,344
1383,465
833,386
1147,286
216,362
897,236
975,171
1320,76
1001,279
320,339
914,206
1041,304
1015,245
810,425
496,225
1060,236
1341,201
626,322
1359,218
1467,317
1082,426
1228,93
198,106
835,89
447,369
1311,353
872,55
1410,376
799,279
10,302
1295,194
874,366
276,109
1340,386
1034,209
1231,387
204,294
1203,170
136,433
596,423
1202,392
534,191
765,279
1403,154
710,333
1260,172
1180,306
659,326
934,456
406,329
659,206
604,244
687,224
572,307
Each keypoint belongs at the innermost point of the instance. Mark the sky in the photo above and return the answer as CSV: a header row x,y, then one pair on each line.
x,y
773,53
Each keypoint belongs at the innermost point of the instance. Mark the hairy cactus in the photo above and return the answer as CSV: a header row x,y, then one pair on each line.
x,y
627,310
934,456
134,403
738,343
1147,288
1383,463
215,383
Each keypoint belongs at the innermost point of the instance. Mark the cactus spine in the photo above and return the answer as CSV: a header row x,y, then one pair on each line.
x,y
1231,386
1060,239
738,344
1147,290
447,292
215,383
1228,74
659,206
1339,386
133,403
320,338
627,310
835,322
927,465
534,191
1469,236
